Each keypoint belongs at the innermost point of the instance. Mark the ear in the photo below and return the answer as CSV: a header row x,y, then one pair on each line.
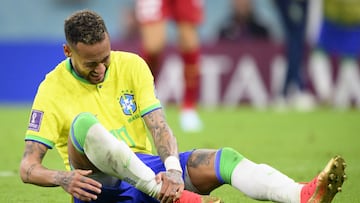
x,y
67,50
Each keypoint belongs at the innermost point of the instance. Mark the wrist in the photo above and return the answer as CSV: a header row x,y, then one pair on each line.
x,y
172,163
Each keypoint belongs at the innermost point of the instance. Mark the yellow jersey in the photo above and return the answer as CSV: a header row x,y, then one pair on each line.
x,y
344,12
119,102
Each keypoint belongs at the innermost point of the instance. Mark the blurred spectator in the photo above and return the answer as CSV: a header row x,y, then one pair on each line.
x,y
293,15
339,38
241,23
129,24
187,14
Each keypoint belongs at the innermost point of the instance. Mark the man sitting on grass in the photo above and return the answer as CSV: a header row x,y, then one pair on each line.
x,y
97,107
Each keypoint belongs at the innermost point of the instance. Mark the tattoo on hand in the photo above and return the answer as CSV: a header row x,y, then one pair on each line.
x,y
62,179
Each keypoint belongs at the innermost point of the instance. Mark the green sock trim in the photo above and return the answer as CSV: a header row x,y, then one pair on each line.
x,y
229,159
79,129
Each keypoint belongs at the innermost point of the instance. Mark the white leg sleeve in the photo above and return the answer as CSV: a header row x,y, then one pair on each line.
x,y
115,158
262,182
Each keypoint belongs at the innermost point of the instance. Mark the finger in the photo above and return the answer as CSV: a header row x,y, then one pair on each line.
x,y
169,188
170,194
83,195
90,188
177,197
83,198
84,172
181,189
163,190
93,184
164,194
178,194
158,178
166,199
78,196
88,180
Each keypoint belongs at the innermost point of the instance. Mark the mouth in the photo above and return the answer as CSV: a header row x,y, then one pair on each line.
x,y
96,78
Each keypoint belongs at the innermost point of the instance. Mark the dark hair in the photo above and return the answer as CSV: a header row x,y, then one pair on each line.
x,y
84,26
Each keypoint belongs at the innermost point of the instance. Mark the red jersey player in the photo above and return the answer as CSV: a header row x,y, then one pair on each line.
x,y
187,14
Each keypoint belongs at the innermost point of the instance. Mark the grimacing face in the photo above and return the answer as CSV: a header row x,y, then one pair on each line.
x,y
90,61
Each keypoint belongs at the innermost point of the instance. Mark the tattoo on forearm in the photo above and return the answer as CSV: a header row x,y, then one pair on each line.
x,y
29,171
164,141
41,152
31,148
34,151
163,151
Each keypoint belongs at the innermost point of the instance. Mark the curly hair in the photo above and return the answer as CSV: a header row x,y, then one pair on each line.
x,y
84,26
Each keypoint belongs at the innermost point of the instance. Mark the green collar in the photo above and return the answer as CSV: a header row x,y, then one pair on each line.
x,y
70,68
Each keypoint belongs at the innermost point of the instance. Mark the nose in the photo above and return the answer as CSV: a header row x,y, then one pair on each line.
x,y
99,68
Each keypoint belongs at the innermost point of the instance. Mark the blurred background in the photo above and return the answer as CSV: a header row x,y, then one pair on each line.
x,y
245,55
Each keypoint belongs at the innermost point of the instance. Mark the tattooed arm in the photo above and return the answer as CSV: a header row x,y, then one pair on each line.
x,y
73,182
164,140
166,145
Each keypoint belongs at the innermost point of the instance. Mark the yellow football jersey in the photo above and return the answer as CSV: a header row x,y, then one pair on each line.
x,y
344,12
119,103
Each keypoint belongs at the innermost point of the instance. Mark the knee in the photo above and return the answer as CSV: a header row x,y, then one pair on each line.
x,y
231,154
227,159
79,128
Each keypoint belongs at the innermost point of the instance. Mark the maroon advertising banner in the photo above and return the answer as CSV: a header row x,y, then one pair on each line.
x,y
253,73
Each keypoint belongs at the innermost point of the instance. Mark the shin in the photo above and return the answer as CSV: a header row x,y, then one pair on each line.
x,y
111,156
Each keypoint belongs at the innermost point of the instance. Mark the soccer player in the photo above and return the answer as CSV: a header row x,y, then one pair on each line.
x,y
96,108
293,15
338,38
187,14
241,24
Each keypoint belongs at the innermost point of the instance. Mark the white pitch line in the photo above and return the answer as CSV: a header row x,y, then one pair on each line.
x,y
7,173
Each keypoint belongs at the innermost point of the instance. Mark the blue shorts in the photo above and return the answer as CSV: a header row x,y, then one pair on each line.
x,y
126,193
339,39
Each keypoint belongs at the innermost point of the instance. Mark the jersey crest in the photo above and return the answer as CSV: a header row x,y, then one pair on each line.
x,y
128,104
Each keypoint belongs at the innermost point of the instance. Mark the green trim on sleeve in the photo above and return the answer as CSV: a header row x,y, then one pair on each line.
x,y
42,140
150,108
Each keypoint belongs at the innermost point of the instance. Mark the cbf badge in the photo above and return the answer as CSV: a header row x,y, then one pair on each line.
x,y
128,104
35,120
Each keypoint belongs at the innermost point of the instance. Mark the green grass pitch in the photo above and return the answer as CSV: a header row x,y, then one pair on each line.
x,y
298,144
